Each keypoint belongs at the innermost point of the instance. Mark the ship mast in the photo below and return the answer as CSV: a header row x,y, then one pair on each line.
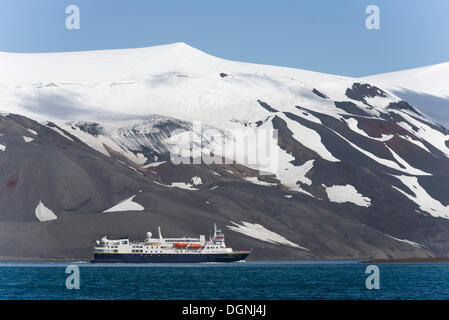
x,y
159,232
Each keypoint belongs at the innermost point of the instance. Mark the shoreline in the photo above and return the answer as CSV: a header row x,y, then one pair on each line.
x,y
350,260
406,260
84,260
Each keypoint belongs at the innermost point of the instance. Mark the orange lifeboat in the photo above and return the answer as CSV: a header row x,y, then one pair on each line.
x,y
195,245
180,244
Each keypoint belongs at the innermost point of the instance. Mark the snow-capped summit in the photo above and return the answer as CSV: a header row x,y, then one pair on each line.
x,y
426,87
98,65
432,79
173,80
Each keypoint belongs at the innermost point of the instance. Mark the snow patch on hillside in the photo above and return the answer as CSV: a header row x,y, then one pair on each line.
x,y
183,185
290,175
27,139
126,205
56,129
180,185
308,116
43,213
2,147
425,132
412,243
408,167
346,193
153,164
388,163
422,198
257,231
255,180
418,143
308,138
196,180
353,125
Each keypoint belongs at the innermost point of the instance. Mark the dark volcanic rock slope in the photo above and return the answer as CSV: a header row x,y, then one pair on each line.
x,y
38,164
78,183
360,173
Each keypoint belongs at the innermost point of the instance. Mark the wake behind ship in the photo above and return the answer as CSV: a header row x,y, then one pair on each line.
x,y
167,250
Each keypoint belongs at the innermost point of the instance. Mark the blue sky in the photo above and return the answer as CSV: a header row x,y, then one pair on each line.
x,y
321,35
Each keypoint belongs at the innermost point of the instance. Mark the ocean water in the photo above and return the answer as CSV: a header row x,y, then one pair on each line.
x,y
250,280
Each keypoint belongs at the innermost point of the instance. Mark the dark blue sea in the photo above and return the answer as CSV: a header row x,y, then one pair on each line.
x,y
250,280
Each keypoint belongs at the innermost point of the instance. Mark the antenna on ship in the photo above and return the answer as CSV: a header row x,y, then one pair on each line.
x,y
159,231
215,230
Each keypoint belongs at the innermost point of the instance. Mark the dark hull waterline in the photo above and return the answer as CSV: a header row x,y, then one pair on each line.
x,y
168,258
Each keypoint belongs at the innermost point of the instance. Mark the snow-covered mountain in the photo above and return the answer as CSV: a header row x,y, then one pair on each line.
x,y
359,170
431,79
426,87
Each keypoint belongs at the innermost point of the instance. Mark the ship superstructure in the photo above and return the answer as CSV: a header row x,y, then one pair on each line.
x,y
167,250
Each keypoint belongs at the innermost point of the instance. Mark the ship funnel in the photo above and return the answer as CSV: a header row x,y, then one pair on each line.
x,y
159,232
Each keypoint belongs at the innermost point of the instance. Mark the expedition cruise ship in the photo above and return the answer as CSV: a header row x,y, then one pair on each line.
x,y
167,250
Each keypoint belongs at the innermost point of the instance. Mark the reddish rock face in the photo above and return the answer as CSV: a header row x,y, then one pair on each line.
x,y
376,128
12,181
